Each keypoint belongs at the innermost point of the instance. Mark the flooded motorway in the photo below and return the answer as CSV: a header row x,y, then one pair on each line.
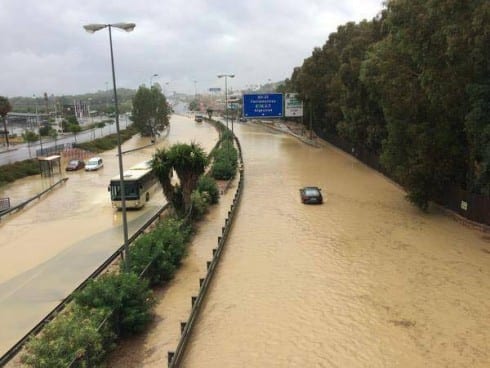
x,y
364,280
50,247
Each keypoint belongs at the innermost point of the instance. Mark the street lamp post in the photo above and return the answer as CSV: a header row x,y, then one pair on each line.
x,y
90,118
38,126
128,27
226,97
151,79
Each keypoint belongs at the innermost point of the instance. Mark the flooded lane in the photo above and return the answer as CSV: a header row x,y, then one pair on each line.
x,y
366,280
47,249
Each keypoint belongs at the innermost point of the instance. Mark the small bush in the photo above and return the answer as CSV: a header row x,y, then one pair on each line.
x,y
108,142
207,184
222,170
129,297
160,251
225,161
73,334
200,204
11,172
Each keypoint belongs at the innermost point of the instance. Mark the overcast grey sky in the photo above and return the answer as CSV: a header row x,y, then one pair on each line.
x,y
45,49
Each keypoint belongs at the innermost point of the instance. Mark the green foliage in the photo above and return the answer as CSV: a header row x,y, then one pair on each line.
x,y
189,162
5,108
200,204
207,184
73,334
225,161
44,130
478,131
107,142
150,111
128,297
412,87
159,252
20,169
30,137
72,120
194,105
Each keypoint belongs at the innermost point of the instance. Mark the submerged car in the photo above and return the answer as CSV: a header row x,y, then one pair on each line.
x,y
95,163
199,118
311,195
74,165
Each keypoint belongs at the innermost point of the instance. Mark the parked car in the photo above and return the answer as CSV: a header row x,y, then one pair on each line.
x,y
242,120
95,163
74,165
311,195
199,118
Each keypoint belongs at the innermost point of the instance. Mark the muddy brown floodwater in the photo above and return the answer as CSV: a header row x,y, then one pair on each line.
x,y
365,280
50,247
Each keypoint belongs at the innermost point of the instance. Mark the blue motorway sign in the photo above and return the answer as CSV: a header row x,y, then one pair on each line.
x,y
263,105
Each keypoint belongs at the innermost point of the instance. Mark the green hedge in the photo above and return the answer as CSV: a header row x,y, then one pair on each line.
x,y
18,170
108,142
159,252
225,161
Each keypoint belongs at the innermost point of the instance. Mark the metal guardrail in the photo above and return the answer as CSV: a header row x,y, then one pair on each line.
x,y
4,204
25,203
34,331
175,358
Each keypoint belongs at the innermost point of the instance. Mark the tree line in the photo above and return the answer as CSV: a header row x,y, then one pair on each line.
x,y
411,86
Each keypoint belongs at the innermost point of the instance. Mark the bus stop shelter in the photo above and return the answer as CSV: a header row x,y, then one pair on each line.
x,y
50,165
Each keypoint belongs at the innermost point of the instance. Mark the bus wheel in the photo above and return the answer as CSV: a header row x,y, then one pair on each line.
x,y
147,197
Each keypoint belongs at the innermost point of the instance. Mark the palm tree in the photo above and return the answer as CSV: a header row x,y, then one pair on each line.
x,y
189,162
5,108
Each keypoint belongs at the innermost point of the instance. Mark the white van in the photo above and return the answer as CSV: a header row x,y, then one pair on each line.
x,y
95,163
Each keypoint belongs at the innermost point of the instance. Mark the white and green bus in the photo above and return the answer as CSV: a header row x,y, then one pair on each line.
x,y
139,185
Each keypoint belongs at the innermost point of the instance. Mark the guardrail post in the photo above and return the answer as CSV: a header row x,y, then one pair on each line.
x,y
170,357
182,327
193,300
214,251
201,281
208,264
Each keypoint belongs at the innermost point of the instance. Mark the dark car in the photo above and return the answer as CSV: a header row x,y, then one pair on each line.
x,y
74,165
199,118
242,120
311,195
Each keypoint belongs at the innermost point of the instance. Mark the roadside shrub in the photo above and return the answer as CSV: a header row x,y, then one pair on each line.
x,y
160,251
18,170
225,161
207,184
72,334
146,255
200,203
226,135
222,170
108,142
129,298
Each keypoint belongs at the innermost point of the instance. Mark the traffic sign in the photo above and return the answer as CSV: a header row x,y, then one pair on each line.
x,y
293,106
263,105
